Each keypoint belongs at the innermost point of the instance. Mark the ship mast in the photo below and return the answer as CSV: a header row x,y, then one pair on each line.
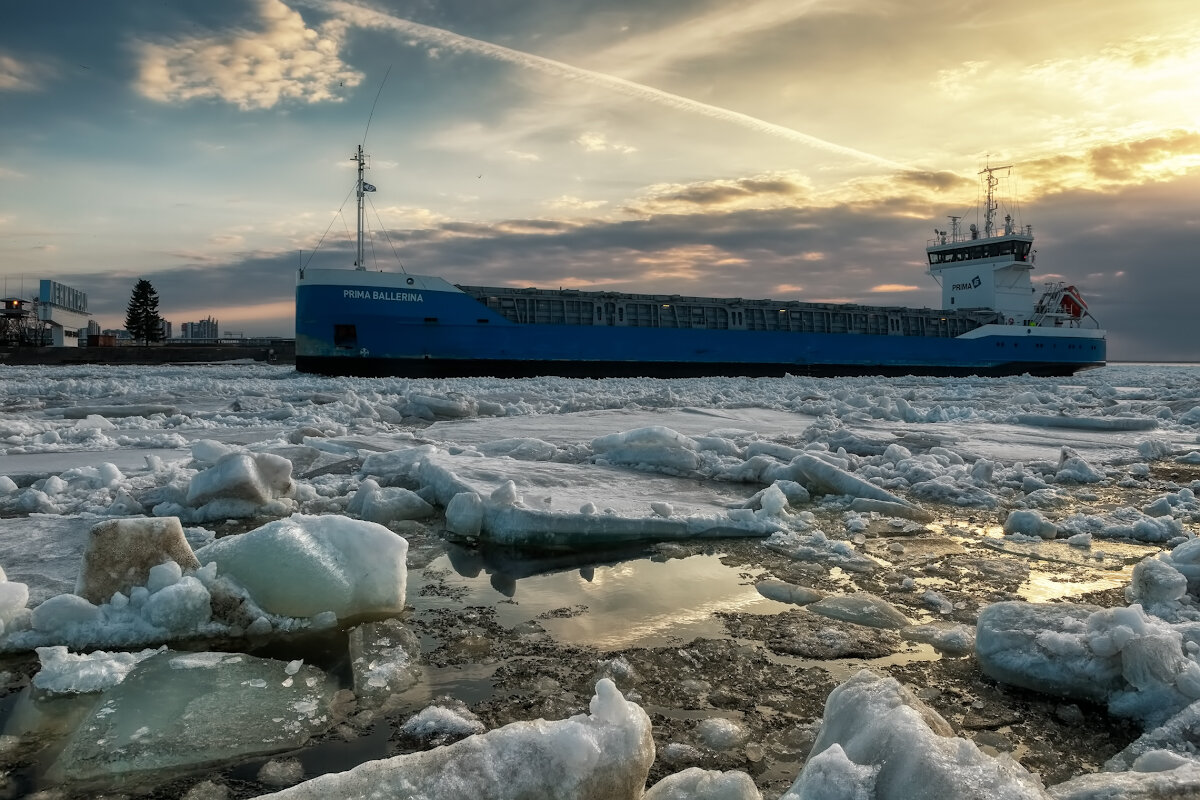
x,y
989,219
359,261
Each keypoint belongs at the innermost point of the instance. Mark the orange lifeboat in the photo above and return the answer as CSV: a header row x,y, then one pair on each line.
x,y
1072,303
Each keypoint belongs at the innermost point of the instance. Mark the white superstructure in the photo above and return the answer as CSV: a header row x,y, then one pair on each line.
x,y
990,269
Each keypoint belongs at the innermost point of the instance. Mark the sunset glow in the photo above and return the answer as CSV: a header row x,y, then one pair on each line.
x,y
613,145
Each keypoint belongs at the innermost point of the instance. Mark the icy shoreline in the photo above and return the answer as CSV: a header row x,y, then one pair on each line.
x,y
838,479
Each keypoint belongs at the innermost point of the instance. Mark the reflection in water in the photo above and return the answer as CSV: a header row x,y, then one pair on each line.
x,y
1044,587
516,564
610,600
842,669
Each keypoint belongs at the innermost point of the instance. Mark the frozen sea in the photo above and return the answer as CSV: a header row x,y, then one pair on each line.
x,y
726,551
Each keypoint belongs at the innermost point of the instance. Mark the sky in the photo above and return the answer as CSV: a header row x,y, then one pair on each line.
x,y
783,149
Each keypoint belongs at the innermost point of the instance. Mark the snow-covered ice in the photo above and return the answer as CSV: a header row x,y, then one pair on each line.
x,y
699,784
878,740
603,755
242,506
317,565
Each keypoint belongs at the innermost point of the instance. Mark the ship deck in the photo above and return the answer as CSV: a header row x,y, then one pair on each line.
x,y
572,307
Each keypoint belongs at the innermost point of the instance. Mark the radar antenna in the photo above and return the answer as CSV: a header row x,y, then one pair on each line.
x,y
989,218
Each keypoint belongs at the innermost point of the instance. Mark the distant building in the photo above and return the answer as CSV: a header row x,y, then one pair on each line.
x,y
164,329
118,334
86,334
65,310
19,324
204,329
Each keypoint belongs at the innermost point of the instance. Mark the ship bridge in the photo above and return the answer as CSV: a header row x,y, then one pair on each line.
x,y
986,269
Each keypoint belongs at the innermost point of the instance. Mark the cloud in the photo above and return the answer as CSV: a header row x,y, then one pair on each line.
x,y
571,204
1117,164
599,143
711,31
688,263
769,190
519,155
532,227
444,40
742,253
224,240
939,181
22,75
1101,83
1128,161
410,217
894,287
223,289
1160,66
282,61
279,311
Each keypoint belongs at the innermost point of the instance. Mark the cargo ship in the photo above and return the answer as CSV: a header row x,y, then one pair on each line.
x,y
372,323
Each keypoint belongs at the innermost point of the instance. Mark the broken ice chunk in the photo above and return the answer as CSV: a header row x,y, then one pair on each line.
x,y
654,448
828,479
120,553
387,504
443,721
192,710
788,592
257,478
703,784
860,608
894,746
63,672
326,563
383,656
1030,523
604,755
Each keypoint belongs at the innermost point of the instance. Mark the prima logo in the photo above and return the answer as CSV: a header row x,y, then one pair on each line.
x,y
975,283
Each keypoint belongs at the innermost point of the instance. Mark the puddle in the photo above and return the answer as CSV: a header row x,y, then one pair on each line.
x,y
471,683
842,669
330,755
641,602
1044,587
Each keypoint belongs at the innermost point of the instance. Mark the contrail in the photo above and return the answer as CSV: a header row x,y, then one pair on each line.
x,y
370,18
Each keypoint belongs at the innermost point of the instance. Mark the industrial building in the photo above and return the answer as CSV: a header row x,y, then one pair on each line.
x,y
57,317
65,311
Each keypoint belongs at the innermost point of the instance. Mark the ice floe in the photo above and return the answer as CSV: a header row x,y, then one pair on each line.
x,y
310,484
878,740
323,569
603,755
181,710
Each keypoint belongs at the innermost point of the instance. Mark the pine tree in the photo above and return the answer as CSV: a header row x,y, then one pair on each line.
x,y
141,315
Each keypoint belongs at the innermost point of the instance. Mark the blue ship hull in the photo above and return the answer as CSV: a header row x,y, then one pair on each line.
x,y
377,326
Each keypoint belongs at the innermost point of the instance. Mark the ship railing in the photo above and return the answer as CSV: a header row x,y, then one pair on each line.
x,y
948,240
